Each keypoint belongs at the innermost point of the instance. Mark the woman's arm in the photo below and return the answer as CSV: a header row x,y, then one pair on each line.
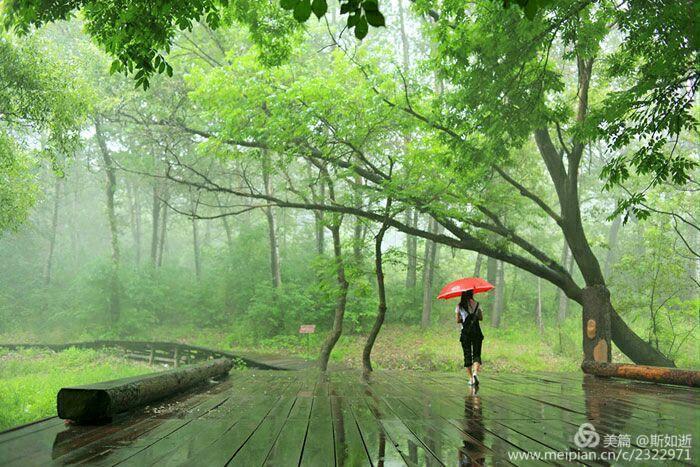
x,y
479,314
459,315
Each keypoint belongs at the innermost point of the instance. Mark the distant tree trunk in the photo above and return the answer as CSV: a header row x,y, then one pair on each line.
x,y
110,189
612,247
196,250
381,293
54,227
135,213
500,292
163,226
271,228
428,274
491,270
538,306
411,250
404,39
319,231
155,221
477,265
75,239
227,227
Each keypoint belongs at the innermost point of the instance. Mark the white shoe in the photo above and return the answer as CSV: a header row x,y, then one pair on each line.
x,y
471,381
475,380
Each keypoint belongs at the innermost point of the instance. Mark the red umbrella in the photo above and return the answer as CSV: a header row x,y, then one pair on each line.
x,y
455,288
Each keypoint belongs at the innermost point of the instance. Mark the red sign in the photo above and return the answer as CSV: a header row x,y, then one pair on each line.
x,y
307,329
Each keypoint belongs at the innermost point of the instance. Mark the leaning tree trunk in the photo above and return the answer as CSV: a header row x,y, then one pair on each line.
x,y
341,300
54,227
110,189
381,308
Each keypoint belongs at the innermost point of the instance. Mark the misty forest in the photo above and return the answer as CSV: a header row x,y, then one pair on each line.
x,y
220,173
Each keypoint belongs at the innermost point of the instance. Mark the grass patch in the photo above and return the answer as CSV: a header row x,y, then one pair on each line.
x,y
30,379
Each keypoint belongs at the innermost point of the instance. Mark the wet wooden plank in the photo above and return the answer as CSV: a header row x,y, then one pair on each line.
x,y
393,417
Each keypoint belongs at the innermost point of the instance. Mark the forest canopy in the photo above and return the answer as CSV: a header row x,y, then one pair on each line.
x,y
259,169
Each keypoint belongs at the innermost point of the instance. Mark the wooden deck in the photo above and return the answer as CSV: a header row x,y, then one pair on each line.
x,y
282,418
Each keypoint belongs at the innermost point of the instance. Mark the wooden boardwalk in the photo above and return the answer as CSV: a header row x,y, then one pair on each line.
x,y
281,418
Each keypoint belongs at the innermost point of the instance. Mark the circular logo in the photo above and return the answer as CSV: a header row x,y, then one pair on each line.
x,y
586,436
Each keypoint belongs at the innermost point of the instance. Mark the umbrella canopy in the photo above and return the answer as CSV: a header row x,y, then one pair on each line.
x,y
455,288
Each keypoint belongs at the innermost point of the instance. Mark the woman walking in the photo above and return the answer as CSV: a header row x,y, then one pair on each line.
x,y
469,314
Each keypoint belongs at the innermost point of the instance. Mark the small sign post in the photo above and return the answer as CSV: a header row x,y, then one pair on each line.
x,y
307,329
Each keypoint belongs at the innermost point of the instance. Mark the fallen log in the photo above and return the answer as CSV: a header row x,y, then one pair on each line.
x,y
100,401
654,374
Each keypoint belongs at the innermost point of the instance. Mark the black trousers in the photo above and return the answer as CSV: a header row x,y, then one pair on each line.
x,y
471,346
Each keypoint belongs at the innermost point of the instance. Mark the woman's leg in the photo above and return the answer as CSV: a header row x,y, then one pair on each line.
x,y
467,349
476,350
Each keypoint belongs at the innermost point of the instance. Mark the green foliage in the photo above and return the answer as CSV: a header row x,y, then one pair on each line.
x,y
43,102
30,379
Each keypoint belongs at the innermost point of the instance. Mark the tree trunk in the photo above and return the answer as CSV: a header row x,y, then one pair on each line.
x,y
196,250
411,250
54,227
612,247
563,300
500,295
596,324
155,221
404,40
110,189
163,227
428,274
491,271
538,307
319,230
477,265
381,309
341,300
271,229
357,236
566,185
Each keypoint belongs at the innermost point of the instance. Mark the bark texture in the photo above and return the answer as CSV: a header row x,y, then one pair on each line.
x,y
341,300
381,309
101,401
652,374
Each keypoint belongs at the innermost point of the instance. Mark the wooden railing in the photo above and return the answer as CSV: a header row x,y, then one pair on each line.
x,y
171,353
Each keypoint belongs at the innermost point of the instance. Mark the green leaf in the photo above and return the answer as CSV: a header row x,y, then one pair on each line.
x,y
375,18
302,11
319,7
115,67
370,5
288,4
361,28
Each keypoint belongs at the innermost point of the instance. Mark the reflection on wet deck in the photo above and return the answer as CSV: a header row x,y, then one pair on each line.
x,y
392,418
